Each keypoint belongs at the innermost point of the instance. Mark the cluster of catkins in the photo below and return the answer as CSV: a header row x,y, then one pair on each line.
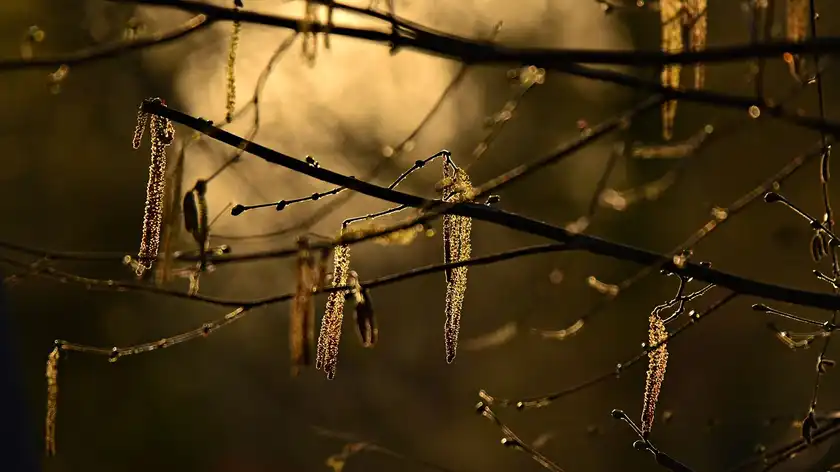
x,y
677,16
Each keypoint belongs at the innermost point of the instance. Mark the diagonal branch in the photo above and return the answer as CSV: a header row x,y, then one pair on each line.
x,y
513,221
193,25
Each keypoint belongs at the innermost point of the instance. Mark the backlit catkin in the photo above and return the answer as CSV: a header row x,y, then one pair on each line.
x,y
162,133
657,362
330,334
672,42
456,248
52,400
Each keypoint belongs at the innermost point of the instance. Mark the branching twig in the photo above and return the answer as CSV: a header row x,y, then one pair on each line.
x,y
545,400
193,25
720,215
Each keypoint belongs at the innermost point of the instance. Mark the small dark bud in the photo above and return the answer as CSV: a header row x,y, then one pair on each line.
x,y
808,427
618,414
280,205
760,307
772,197
510,442
640,445
419,163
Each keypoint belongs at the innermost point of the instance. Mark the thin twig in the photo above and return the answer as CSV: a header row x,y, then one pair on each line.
x,y
193,25
485,213
545,400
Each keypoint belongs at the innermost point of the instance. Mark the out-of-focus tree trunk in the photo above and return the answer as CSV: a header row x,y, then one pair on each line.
x,y
17,448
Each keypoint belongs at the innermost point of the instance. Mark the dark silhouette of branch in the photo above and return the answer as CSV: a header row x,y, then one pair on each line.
x,y
38,268
771,459
644,444
516,222
246,306
720,215
193,25
411,36
828,217
511,440
403,147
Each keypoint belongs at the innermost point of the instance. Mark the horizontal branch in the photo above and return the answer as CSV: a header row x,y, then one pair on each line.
x,y
207,328
39,269
411,36
545,400
513,221
417,37
422,36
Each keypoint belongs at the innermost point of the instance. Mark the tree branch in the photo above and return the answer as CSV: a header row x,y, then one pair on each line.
x,y
411,36
193,25
513,221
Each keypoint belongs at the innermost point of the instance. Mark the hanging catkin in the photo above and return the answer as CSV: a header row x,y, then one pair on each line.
x,y
171,227
657,362
303,311
162,133
796,20
52,400
672,42
230,102
456,247
698,24
330,335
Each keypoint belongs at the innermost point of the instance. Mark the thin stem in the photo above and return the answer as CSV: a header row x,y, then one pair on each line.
x,y
207,328
545,400
106,51
829,216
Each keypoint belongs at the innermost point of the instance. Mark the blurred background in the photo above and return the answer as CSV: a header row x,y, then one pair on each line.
x,y
71,181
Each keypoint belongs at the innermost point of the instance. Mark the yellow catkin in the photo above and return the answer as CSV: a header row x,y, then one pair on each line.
x,y
303,310
196,221
52,400
330,334
171,226
162,134
697,35
657,362
310,39
231,72
672,42
796,20
456,247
